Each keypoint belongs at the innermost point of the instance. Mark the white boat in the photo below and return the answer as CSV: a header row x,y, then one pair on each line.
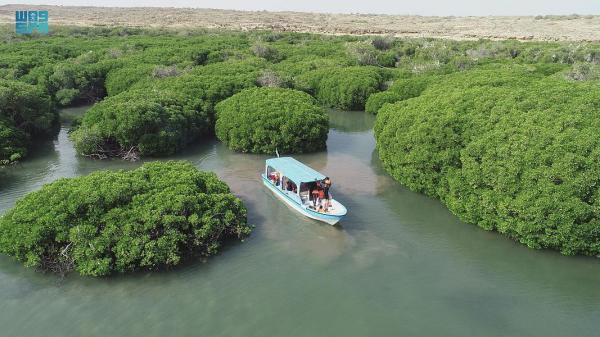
x,y
303,180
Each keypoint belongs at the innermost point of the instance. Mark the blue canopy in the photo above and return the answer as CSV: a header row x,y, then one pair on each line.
x,y
294,170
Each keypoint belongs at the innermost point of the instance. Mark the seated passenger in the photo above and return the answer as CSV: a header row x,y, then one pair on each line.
x,y
315,196
288,186
321,194
274,177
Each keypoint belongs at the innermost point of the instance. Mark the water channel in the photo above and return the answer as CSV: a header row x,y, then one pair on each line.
x,y
400,264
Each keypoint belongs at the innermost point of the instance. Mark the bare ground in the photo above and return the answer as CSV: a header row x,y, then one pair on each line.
x,y
548,28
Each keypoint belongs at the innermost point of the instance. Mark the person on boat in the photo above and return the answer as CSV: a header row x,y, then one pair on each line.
x,y
290,186
321,195
294,188
284,183
315,195
274,177
327,196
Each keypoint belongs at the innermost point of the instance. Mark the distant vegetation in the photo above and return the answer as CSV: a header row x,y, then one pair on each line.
x,y
402,89
503,132
160,89
153,217
266,120
344,88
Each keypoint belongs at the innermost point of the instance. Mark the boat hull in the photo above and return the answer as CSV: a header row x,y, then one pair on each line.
x,y
331,219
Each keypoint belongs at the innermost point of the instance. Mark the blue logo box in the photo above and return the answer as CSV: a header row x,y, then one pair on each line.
x,y
28,22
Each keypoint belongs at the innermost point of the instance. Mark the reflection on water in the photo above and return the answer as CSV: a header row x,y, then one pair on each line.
x,y
399,264
351,121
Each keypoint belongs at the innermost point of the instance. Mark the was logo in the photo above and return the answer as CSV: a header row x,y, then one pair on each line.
x,y
29,22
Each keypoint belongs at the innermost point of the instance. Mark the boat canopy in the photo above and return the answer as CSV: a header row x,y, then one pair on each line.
x,y
294,170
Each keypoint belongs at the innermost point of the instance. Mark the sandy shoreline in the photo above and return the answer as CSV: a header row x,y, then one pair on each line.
x,y
549,28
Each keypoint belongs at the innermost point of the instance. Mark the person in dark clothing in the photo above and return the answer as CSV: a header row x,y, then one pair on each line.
x,y
326,184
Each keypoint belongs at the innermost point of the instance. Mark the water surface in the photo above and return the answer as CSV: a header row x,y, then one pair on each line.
x,y
399,265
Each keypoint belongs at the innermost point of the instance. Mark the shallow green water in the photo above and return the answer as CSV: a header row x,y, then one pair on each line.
x,y
400,264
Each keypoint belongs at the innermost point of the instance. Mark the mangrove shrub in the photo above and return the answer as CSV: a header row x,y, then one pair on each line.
x,y
26,112
81,65
344,88
153,217
400,90
261,120
121,79
514,152
156,122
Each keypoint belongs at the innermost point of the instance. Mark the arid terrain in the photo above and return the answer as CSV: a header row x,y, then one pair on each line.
x,y
544,28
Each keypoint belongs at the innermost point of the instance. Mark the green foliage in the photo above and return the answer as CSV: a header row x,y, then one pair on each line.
x,y
261,120
121,79
158,124
25,113
583,72
153,217
167,71
382,42
269,78
267,52
13,143
212,83
72,82
203,67
503,132
377,100
401,89
290,69
343,88
387,59
366,53
65,97
160,116
507,149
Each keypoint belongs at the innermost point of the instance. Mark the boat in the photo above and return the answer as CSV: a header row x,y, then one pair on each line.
x,y
302,180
